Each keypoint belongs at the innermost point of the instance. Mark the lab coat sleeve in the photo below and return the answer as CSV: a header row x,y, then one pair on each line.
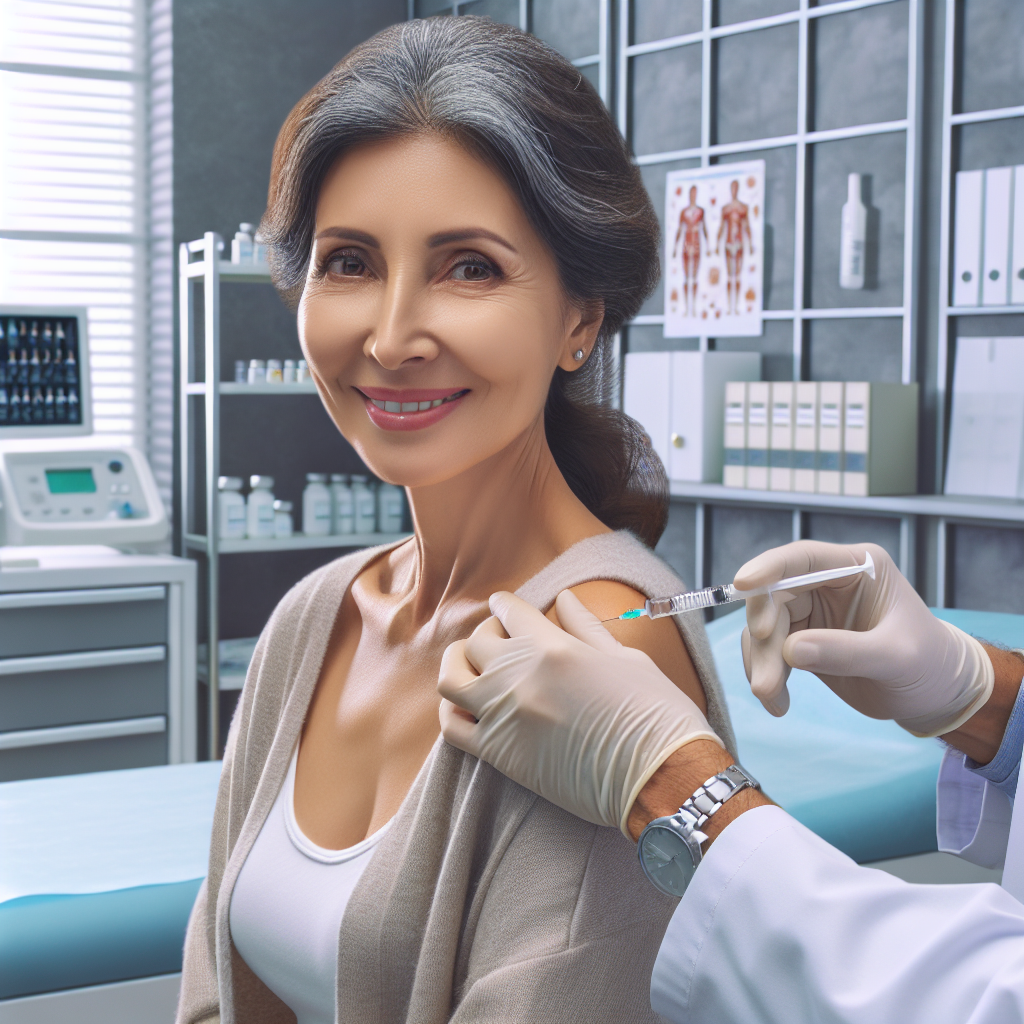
x,y
778,926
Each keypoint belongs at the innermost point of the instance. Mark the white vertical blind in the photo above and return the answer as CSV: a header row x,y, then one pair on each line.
x,y
72,184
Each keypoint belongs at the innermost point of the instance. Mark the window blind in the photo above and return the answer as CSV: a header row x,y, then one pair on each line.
x,y
72,184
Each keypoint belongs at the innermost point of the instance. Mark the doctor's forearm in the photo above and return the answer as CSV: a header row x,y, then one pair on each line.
x,y
677,780
979,737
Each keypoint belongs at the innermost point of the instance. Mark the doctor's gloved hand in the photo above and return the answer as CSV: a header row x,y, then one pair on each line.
x,y
568,713
873,641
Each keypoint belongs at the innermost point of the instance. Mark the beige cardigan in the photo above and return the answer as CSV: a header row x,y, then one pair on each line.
x,y
483,902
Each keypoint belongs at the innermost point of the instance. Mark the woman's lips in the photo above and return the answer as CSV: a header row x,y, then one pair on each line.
x,y
410,409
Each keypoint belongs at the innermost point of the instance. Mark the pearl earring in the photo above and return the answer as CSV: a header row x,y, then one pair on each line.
x,y
578,354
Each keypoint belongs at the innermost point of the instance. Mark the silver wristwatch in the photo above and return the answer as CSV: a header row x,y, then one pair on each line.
x,y
669,847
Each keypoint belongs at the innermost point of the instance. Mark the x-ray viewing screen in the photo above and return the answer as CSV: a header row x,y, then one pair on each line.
x,y
714,247
40,379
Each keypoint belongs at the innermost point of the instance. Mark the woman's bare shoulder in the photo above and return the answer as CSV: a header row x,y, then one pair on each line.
x,y
659,639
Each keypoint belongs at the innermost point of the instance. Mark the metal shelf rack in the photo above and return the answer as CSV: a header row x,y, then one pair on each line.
x,y
199,263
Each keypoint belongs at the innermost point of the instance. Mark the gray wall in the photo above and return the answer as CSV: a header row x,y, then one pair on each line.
x,y
239,66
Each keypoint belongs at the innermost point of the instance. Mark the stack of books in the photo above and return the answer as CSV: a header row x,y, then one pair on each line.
x,y
821,437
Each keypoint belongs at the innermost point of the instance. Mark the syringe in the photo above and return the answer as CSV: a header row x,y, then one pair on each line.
x,y
712,597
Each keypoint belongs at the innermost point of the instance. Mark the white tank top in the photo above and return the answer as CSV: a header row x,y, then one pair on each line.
x,y
287,907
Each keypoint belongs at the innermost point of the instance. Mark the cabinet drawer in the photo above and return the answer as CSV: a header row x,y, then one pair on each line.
x,y
46,622
91,686
88,753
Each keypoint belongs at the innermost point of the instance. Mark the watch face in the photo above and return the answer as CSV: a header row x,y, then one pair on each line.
x,y
666,859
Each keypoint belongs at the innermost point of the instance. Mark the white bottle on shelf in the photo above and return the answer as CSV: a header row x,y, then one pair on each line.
x,y
852,239
283,525
259,508
343,511
365,505
316,506
241,244
232,507
390,506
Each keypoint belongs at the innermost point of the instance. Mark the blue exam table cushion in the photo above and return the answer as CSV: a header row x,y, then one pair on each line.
x,y
866,786
98,874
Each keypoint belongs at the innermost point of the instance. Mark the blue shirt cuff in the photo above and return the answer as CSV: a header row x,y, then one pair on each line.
x,y
1003,769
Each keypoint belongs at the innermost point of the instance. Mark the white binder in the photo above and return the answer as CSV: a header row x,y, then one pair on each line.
x,y
646,394
830,438
780,443
986,431
995,277
805,437
1017,260
758,399
970,187
734,471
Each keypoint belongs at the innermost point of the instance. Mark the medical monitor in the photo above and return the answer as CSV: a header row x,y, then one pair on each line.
x,y
44,372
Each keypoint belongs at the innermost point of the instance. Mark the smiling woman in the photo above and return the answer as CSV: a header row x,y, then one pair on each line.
x,y
462,231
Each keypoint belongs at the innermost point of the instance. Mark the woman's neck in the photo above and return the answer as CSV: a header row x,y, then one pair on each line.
x,y
494,526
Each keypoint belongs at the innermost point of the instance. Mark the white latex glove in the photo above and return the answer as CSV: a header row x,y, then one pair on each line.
x,y
569,713
872,641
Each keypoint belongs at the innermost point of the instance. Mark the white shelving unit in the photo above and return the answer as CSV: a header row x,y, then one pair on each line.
x,y
200,263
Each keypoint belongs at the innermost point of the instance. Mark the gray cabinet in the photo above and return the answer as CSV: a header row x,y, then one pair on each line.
x,y
93,677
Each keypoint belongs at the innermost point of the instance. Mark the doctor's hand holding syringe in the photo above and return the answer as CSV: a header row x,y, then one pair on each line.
x,y
774,924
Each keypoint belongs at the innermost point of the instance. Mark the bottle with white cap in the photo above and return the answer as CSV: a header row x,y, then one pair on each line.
x,y
316,506
241,244
390,506
259,508
365,505
283,525
343,509
232,507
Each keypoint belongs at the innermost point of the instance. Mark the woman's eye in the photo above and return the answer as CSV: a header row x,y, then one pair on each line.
x,y
472,272
346,265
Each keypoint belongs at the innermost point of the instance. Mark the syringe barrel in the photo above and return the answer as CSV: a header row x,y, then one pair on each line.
x,y
692,601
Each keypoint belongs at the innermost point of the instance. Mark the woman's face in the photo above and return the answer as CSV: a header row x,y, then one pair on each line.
x,y
433,316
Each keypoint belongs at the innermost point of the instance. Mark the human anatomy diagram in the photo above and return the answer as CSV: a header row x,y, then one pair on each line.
x,y
714,244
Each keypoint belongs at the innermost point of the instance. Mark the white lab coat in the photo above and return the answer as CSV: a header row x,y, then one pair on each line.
x,y
778,926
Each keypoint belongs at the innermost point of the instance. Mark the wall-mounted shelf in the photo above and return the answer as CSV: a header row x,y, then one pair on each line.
x,y
1000,510
296,542
307,387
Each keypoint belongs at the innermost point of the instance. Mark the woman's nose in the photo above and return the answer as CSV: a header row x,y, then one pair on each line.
x,y
398,336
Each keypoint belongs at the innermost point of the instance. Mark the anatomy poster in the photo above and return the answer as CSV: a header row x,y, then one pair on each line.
x,y
714,245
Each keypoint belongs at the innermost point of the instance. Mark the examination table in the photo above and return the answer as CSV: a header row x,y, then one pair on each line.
x,y
98,872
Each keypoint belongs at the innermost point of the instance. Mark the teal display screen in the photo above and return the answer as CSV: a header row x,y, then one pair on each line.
x,y
70,481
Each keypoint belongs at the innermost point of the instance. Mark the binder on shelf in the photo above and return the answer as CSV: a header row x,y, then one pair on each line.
x,y
679,399
1017,259
830,437
758,400
697,407
996,240
780,444
970,186
986,430
880,439
805,437
734,470
646,394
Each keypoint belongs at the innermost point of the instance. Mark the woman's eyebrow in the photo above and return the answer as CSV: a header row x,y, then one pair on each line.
x,y
465,235
350,233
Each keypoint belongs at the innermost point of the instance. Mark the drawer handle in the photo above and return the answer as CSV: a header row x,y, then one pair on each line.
x,y
60,598
678,441
82,659
79,733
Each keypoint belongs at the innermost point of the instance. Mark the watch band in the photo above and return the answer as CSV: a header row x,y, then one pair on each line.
x,y
710,796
